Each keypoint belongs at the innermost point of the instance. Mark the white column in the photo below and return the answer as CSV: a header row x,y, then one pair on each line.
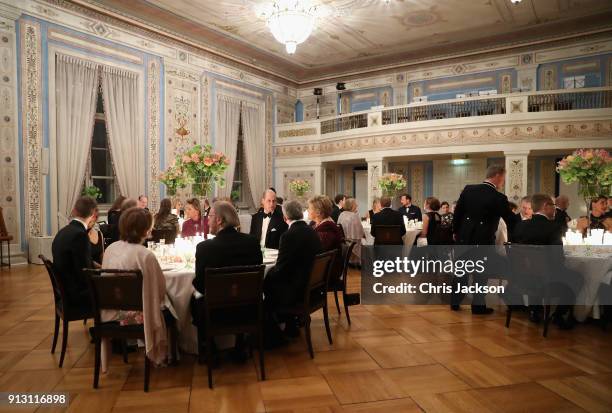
x,y
400,94
516,175
376,168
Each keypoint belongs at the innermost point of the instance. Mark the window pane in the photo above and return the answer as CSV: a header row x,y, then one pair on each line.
x,y
99,104
99,135
98,163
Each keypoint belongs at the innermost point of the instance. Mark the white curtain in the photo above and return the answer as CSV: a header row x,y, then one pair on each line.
x,y
228,121
124,115
76,82
254,139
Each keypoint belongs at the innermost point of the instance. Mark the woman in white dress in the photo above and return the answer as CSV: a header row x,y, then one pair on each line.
x,y
129,254
353,229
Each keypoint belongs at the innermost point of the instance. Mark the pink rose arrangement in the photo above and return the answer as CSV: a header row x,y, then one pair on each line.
x,y
204,167
591,168
391,183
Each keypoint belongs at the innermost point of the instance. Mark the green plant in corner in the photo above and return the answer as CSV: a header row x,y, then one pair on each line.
x,y
92,191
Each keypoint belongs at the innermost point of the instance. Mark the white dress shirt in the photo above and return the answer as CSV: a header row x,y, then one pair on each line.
x,y
264,231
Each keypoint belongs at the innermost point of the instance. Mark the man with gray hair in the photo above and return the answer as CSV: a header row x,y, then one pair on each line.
x,y
286,281
229,247
561,216
267,224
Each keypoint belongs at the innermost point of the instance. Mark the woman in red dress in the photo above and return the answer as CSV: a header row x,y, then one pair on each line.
x,y
319,211
195,223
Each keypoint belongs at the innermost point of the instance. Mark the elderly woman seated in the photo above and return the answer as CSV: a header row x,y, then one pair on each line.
x,y
129,254
353,230
320,209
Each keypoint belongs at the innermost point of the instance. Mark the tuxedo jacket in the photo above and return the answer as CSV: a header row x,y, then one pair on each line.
x,y
336,211
477,214
562,218
538,230
286,281
387,216
71,251
229,248
276,228
412,212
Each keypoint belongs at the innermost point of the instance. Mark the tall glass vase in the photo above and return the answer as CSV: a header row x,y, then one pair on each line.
x,y
589,191
200,188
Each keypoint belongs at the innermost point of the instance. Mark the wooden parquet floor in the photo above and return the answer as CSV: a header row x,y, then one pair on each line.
x,y
391,359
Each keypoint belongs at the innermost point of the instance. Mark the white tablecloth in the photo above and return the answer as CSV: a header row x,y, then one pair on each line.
x,y
595,269
179,289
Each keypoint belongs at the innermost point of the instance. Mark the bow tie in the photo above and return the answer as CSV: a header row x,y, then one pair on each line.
x,y
269,215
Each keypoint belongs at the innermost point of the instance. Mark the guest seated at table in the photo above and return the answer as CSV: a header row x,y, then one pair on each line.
x,y
526,211
268,225
338,206
143,202
178,205
376,208
598,219
128,253
71,249
97,241
412,212
513,207
229,247
285,282
541,229
195,223
432,224
561,216
165,219
113,218
320,209
353,229
446,215
387,216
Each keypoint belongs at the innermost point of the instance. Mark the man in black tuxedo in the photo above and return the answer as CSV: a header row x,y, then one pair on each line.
x,y
229,247
409,210
387,216
477,215
542,229
561,216
338,206
286,281
267,224
71,251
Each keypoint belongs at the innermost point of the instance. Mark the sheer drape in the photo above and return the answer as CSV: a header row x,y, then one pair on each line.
x,y
76,81
228,121
253,134
123,110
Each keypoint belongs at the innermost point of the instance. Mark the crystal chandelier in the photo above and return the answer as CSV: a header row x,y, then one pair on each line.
x,y
290,21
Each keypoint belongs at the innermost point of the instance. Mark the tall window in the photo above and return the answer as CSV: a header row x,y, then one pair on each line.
x,y
100,171
237,183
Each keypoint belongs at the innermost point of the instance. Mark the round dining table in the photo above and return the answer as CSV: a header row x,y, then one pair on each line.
x,y
596,269
179,289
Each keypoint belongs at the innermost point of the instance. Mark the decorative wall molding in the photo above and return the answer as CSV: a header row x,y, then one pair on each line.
x,y
291,133
516,176
306,175
9,160
454,136
31,126
153,122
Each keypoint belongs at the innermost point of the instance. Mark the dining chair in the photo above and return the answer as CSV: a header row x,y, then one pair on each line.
x,y
315,297
388,235
4,238
63,309
233,304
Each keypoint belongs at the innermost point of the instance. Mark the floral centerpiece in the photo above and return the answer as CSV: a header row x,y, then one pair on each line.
x,y
92,191
591,168
391,183
299,187
174,178
204,167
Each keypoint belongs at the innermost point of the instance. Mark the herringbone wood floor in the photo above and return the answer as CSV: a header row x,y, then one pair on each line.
x,y
391,359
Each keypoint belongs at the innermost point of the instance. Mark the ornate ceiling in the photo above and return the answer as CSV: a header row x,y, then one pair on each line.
x,y
361,35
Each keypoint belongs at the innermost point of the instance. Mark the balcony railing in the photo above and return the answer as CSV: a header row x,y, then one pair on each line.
x,y
463,109
470,107
597,99
344,123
